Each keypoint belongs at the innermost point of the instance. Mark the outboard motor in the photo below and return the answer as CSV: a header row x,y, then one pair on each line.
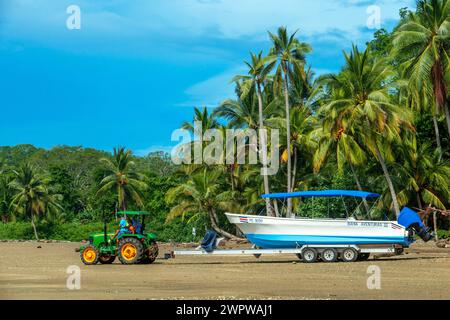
x,y
209,241
412,222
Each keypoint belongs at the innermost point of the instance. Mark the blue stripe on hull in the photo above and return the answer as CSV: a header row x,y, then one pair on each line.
x,y
267,241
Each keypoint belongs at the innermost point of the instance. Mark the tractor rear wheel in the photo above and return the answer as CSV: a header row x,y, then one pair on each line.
x,y
130,251
151,253
106,259
90,255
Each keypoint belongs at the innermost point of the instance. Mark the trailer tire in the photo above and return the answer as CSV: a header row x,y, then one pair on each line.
x,y
349,255
329,255
309,255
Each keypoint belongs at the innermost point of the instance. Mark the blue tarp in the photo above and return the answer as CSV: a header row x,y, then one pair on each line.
x,y
322,194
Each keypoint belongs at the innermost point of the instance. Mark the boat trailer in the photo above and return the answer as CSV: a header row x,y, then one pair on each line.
x,y
307,253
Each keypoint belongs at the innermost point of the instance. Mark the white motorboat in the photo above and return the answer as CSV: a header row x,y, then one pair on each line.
x,y
272,232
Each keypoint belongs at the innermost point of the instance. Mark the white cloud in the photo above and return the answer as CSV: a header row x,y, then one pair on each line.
x,y
196,30
254,17
194,18
212,91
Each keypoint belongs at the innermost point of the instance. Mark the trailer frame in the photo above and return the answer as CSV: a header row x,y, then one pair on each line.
x,y
394,249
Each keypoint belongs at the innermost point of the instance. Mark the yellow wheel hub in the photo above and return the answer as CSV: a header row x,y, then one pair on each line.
x,y
89,255
129,252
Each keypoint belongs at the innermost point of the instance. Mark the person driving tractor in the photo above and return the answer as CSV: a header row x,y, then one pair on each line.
x,y
136,225
124,227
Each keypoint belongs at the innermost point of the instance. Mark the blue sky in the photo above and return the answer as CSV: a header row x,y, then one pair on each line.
x,y
136,68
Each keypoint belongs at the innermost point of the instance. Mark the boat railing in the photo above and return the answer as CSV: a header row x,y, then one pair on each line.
x,y
357,213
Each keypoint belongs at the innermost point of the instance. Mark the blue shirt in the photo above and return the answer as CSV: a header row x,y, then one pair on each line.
x,y
123,225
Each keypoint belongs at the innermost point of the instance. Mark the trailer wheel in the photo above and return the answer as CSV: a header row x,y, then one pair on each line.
x,y
349,255
329,255
309,255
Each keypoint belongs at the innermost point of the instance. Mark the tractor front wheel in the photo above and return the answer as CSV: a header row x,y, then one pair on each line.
x,y
130,251
90,255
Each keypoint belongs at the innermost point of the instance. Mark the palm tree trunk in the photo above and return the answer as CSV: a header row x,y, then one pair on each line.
x,y
436,236
436,132
388,180
440,90
294,170
275,205
419,202
34,227
358,184
263,148
232,177
214,224
288,135
447,116
120,197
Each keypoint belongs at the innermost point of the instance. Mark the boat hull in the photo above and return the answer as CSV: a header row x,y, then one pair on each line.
x,y
274,233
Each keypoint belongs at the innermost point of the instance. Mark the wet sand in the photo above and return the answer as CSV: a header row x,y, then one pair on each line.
x,y
28,272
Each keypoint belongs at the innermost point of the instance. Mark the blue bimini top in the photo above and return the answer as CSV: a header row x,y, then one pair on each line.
x,y
322,194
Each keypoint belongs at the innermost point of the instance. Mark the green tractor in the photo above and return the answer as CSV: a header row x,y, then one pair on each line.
x,y
131,248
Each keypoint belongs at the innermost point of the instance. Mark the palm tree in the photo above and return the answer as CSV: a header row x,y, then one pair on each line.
x,y
207,121
200,195
5,194
291,56
419,102
257,76
302,125
346,150
425,175
333,138
243,111
123,178
421,43
32,195
365,103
